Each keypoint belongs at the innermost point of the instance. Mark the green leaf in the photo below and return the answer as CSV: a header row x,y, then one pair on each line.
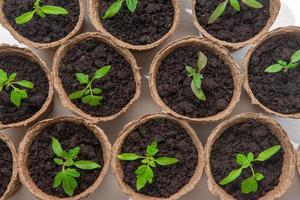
x,y
296,57
282,63
37,3
259,176
113,9
129,156
235,5
26,84
12,77
202,61
58,179
141,181
165,161
56,147
69,184
241,159
74,152
72,172
218,12
274,68
253,3
231,176
95,100
22,93
197,80
190,70
152,163
15,98
86,99
69,163
41,14
3,76
292,65
76,95
131,5
54,10
198,92
24,18
87,164
141,169
82,78
249,185
265,155
97,91
152,149
250,157
100,73
149,173
58,161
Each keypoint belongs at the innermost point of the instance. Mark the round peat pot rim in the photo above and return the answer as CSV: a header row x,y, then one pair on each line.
x,y
35,131
220,51
47,106
279,31
127,130
38,45
288,170
67,103
274,11
93,12
14,183
298,160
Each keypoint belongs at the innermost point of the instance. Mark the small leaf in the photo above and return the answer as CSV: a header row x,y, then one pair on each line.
x,y
165,161
296,57
54,10
22,93
249,185
253,3
3,76
231,176
69,184
259,176
102,72
41,14
58,161
292,65
235,5
12,77
56,147
190,70
152,163
86,164
274,68
250,157
149,174
265,155
82,78
74,152
202,61
218,12
15,98
95,100
76,95
58,179
113,9
72,172
26,84
69,163
86,99
25,18
129,156
97,91
141,181
37,3
152,149
241,159
131,5
198,92
282,63
141,169
197,80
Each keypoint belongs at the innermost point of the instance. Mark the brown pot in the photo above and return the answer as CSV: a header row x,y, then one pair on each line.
x,y
218,50
288,170
117,169
93,11
258,42
36,130
51,45
298,160
14,184
274,10
58,83
47,107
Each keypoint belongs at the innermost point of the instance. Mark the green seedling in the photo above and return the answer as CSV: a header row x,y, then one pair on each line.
x,y
68,162
117,5
144,173
220,9
90,95
41,11
250,184
195,73
283,65
16,94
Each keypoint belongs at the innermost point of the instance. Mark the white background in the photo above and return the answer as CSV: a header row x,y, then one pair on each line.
x,y
289,15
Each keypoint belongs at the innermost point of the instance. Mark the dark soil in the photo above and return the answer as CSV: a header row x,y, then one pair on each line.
x,y
150,22
118,85
245,137
279,92
174,86
233,26
26,70
43,30
40,162
173,141
6,166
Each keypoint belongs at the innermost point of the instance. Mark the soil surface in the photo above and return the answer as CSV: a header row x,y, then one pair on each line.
x,y
174,85
6,166
279,92
40,162
233,26
43,30
26,70
118,85
149,23
173,141
245,137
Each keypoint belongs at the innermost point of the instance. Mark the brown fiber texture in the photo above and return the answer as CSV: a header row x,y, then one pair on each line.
x,y
274,10
58,82
93,11
47,107
117,169
34,131
223,53
289,161
51,45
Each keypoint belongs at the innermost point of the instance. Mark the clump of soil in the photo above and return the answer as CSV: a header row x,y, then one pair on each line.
x,y
6,166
